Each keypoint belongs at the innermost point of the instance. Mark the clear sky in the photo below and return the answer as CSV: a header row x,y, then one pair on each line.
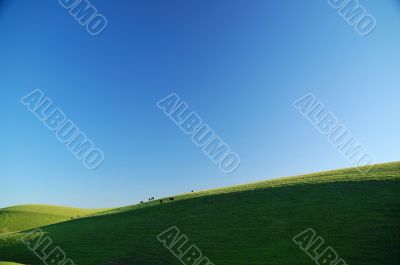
x,y
239,64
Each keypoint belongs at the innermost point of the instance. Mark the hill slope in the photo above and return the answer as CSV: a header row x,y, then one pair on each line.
x,y
357,215
24,217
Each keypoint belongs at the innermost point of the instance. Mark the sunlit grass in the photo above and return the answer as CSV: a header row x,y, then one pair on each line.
x,y
356,214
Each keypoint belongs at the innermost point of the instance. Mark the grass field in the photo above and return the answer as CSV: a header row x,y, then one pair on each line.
x,y
24,217
358,215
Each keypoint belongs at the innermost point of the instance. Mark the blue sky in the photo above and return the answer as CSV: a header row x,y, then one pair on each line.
x,y
238,64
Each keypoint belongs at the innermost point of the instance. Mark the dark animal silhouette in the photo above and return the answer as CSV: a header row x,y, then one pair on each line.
x,y
161,201
171,199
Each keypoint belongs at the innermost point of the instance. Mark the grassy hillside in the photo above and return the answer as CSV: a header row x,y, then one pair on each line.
x,y
19,218
359,216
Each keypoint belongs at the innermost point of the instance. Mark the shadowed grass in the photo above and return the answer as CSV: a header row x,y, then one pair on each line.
x,y
358,215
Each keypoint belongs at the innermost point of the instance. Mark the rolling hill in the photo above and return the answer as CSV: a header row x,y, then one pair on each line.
x,y
24,217
357,215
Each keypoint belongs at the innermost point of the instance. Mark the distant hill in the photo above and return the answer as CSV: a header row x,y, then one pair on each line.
x,y
358,215
24,217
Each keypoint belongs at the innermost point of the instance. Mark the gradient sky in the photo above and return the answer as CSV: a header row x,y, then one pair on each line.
x,y
238,64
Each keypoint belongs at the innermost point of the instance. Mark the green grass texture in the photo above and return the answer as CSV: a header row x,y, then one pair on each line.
x,y
356,214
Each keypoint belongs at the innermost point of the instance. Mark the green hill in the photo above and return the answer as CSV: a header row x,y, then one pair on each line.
x,y
24,217
357,215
